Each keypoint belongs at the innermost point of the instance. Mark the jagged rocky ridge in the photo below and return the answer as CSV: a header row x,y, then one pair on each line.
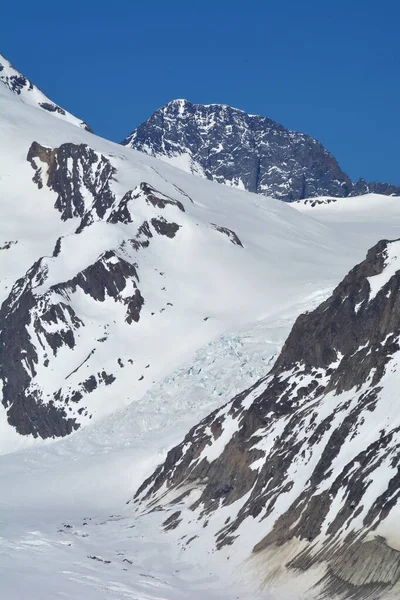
x,y
361,187
252,152
24,89
305,464
46,317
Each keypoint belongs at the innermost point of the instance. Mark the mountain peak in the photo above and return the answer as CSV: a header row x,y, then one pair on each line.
x,y
186,104
251,152
30,94
230,146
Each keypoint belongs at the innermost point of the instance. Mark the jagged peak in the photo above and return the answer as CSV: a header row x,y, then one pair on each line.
x,y
226,144
253,152
184,104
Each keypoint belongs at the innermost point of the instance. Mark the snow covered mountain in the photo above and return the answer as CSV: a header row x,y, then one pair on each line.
x,y
304,464
30,94
110,257
251,152
135,300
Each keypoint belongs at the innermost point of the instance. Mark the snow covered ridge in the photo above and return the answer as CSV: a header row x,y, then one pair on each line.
x,y
52,315
302,468
30,94
250,152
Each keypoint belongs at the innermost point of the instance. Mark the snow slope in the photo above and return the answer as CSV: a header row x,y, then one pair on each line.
x,y
28,93
64,503
355,213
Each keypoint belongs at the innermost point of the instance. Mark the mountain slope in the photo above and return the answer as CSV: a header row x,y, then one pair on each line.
x,y
303,466
109,257
26,91
246,151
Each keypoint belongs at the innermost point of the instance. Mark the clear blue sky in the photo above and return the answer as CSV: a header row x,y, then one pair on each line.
x,y
329,69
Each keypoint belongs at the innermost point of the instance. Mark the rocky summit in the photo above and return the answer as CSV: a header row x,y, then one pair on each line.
x,y
251,152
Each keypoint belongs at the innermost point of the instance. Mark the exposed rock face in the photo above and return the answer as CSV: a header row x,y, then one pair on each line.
x,y
37,323
70,169
362,187
29,93
310,452
229,146
231,235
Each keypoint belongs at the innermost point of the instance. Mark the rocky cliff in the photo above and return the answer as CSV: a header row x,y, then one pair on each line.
x,y
304,465
248,151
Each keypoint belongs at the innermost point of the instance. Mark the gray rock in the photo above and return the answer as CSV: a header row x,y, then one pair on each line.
x,y
232,147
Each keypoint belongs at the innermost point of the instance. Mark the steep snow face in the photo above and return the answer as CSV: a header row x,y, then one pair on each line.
x,y
30,94
303,466
245,151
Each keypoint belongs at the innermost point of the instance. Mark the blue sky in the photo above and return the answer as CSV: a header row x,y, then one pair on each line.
x,y
329,69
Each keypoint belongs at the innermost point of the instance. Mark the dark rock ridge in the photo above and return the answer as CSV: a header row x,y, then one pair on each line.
x,y
75,172
22,87
361,187
231,235
69,170
229,146
306,445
